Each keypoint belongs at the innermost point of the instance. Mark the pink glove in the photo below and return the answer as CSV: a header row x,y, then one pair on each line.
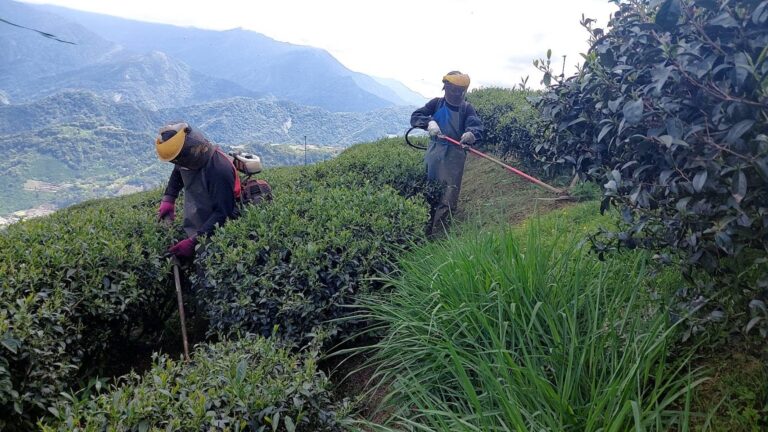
x,y
167,209
184,248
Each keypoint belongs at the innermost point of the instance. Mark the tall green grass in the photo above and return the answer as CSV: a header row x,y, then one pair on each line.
x,y
500,331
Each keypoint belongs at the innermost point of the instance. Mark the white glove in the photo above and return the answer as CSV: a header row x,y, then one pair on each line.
x,y
433,128
468,138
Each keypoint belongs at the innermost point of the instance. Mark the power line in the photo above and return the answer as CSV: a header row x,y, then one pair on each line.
x,y
48,35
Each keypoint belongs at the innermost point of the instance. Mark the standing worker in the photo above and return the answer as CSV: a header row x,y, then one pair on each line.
x,y
456,118
208,178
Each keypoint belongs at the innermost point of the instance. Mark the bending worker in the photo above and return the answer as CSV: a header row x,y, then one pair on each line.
x,y
206,175
454,117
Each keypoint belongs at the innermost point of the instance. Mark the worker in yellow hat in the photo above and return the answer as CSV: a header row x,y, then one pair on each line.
x,y
207,177
454,117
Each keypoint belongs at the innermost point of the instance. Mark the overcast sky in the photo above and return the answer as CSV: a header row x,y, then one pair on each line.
x,y
413,41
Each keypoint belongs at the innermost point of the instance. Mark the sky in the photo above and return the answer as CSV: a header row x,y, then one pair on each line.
x,y
413,41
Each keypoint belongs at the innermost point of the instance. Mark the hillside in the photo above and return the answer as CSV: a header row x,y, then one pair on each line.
x,y
77,120
331,223
76,145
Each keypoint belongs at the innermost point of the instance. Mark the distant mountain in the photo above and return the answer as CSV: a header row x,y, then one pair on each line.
x,y
301,74
80,144
406,94
79,121
73,107
25,56
246,120
152,80
227,121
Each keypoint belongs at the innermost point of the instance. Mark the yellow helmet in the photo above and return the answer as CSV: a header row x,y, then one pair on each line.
x,y
169,149
456,78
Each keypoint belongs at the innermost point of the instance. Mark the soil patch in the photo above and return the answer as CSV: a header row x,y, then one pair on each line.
x,y
491,195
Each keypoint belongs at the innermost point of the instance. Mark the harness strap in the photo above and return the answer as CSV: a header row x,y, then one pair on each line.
x,y
238,188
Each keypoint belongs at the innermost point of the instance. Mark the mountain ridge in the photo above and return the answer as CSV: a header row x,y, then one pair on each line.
x,y
299,73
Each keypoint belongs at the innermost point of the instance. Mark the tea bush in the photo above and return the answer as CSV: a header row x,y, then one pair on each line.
x,y
83,286
248,385
511,122
75,286
296,263
385,162
670,114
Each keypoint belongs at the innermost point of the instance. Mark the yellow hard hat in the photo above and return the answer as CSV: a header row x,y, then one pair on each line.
x,y
167,150
456,78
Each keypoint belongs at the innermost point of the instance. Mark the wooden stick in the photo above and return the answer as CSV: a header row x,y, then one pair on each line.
x,y
177,280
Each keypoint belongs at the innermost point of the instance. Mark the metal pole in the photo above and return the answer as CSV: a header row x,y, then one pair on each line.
x,y
509,168
305,149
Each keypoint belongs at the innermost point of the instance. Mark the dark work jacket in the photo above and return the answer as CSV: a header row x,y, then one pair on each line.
x,y
444,160
467,120
209,194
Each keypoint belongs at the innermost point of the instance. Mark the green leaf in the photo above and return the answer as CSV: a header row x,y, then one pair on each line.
x,y
725,19
739,186
10,344
752,323
703,66
289,425
761,165
633,111
699,180
604,131
660,74
613,105
760,14
242,367
668,14
738,130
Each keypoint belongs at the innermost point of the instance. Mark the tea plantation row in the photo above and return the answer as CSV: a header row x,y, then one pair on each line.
x,y
86,287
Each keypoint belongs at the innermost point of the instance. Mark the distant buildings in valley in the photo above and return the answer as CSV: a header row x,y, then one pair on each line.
x,y
42,210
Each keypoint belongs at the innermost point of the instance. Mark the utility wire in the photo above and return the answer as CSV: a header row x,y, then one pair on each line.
x,y
48,35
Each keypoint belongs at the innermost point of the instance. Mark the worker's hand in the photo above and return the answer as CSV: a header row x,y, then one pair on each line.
x,y
167,209
468,138
433,128
184,248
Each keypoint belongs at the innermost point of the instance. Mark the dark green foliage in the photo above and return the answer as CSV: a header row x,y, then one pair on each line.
x,y
74,287
248,385
85,286
511,122
669,113
292,265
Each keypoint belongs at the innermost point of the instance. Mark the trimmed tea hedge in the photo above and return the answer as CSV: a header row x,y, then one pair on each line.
x,y
511,123
384,162
74,286
248,385
295,263
670,114
81,287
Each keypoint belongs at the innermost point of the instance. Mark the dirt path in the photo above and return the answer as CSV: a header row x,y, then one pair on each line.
x,y
492,195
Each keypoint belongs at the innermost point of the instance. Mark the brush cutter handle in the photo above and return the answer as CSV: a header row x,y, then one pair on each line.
x,y
507,167
409,141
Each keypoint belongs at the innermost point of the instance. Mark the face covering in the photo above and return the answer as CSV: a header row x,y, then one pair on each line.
x,y
454,95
